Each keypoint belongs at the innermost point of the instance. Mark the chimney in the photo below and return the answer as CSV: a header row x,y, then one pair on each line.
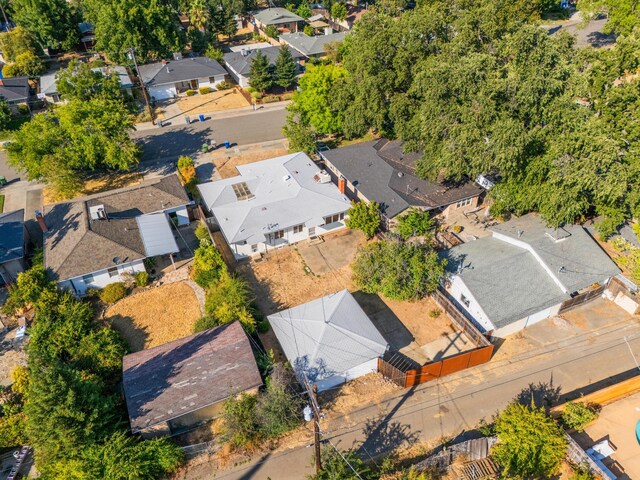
x,y
341,184
40,219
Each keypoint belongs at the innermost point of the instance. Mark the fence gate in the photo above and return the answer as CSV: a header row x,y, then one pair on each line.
x,y
581,299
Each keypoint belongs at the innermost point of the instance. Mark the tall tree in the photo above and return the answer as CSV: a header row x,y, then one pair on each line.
x,y
151,28
285,68
51,22
79,81
18,41
338,11
260,76
623,15
27,64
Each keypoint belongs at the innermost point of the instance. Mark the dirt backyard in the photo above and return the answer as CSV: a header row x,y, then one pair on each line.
x,y
99,184
155,316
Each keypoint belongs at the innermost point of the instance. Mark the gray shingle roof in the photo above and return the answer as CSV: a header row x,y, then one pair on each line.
x,y
327,336
276,16
11,236
507,281
309,46
179,377
383,173
241,63
526,267
180,70
569,252
76,245
14,89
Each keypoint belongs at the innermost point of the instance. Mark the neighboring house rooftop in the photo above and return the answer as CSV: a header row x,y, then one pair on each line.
x,y
77,245
11,236
383,173
250,46
529,269
240,62
14,89
180,377
271,195
180,70
327,336
309,46
276,16
49,83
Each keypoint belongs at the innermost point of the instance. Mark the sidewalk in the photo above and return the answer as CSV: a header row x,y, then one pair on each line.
x,y
175,118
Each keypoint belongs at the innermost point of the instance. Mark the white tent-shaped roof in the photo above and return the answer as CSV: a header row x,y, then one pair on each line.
x,y
330,339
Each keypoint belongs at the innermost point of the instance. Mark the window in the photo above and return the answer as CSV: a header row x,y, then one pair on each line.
x,y
113,272
465,301
242,191
87,278
334,218
254,248
298,228
312,231
464,203
278,234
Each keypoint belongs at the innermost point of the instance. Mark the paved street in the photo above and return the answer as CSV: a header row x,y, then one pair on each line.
x,y
456,403
168,143
6,170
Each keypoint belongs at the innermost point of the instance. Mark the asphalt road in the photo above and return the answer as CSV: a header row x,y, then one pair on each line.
x,y
168,143
453,404
7,171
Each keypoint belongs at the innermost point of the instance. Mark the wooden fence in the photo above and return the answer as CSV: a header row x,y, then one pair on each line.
x,y
409,377
581,299
216,237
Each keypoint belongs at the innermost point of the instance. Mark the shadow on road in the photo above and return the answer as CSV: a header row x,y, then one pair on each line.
x,y
542,394
171,144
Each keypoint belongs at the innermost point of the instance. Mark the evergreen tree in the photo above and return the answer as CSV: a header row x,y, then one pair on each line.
x,y
261,78
285,71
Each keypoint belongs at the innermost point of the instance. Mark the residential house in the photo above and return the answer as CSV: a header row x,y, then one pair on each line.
x,y
49,83
354,13
167,79
92,242
380,171
178,385
284,20
315,46
13,240
523,273
274,203
319,23
15,91
238,64
329,340
87,35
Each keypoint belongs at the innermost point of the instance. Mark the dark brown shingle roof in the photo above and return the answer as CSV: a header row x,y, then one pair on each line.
x,y
75,245
182,376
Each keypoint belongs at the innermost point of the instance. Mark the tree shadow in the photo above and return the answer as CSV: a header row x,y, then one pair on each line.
x,y
165,145
542,394
383,437
135,336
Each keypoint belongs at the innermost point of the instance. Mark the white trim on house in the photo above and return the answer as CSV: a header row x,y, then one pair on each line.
x,y
102,278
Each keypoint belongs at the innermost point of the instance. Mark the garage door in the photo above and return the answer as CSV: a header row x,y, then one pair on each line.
x,y
162,92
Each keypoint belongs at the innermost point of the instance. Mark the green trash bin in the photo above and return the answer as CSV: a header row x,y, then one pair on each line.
x,y
205,148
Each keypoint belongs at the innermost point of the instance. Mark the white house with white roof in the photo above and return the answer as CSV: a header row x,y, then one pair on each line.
x,y
274,203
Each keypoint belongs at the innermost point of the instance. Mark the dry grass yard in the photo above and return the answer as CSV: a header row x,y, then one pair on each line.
x,y
227,161
155,316
102,183
215,101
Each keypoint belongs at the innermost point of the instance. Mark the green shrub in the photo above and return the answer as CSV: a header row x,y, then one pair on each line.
x,y
214,53
271,99
204,323
582,473
272,32
23,109
263,326
208,265
457,228
287,96
223,86
204,90
202,232
240,421
308,30
365,217
435,313
249,89
415,223
113,292
256,95
577,415
228,300
190,93
142,279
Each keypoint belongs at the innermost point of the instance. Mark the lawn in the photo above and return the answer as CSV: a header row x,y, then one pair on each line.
x,y
155,316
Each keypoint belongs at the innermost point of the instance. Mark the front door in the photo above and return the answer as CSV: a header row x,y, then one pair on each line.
x,y
194,84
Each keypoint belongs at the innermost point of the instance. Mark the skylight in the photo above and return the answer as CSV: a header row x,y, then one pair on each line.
x,y
242,191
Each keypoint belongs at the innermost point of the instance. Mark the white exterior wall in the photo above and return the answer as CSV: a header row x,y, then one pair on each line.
x,y
239,79
242,251
181,213
456,288
163,92
355,372
527,321
101,278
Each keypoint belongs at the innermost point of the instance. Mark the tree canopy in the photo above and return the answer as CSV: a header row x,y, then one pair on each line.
x,y
18,41
61,146
80,82
364,216
622,15
285,68
51,22
478,88
261,77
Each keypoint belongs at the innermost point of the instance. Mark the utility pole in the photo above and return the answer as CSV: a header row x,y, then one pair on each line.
x,y
6,21
312,391
132,56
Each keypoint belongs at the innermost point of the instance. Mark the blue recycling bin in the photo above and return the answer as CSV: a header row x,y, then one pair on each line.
x,y
201,117
227,144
